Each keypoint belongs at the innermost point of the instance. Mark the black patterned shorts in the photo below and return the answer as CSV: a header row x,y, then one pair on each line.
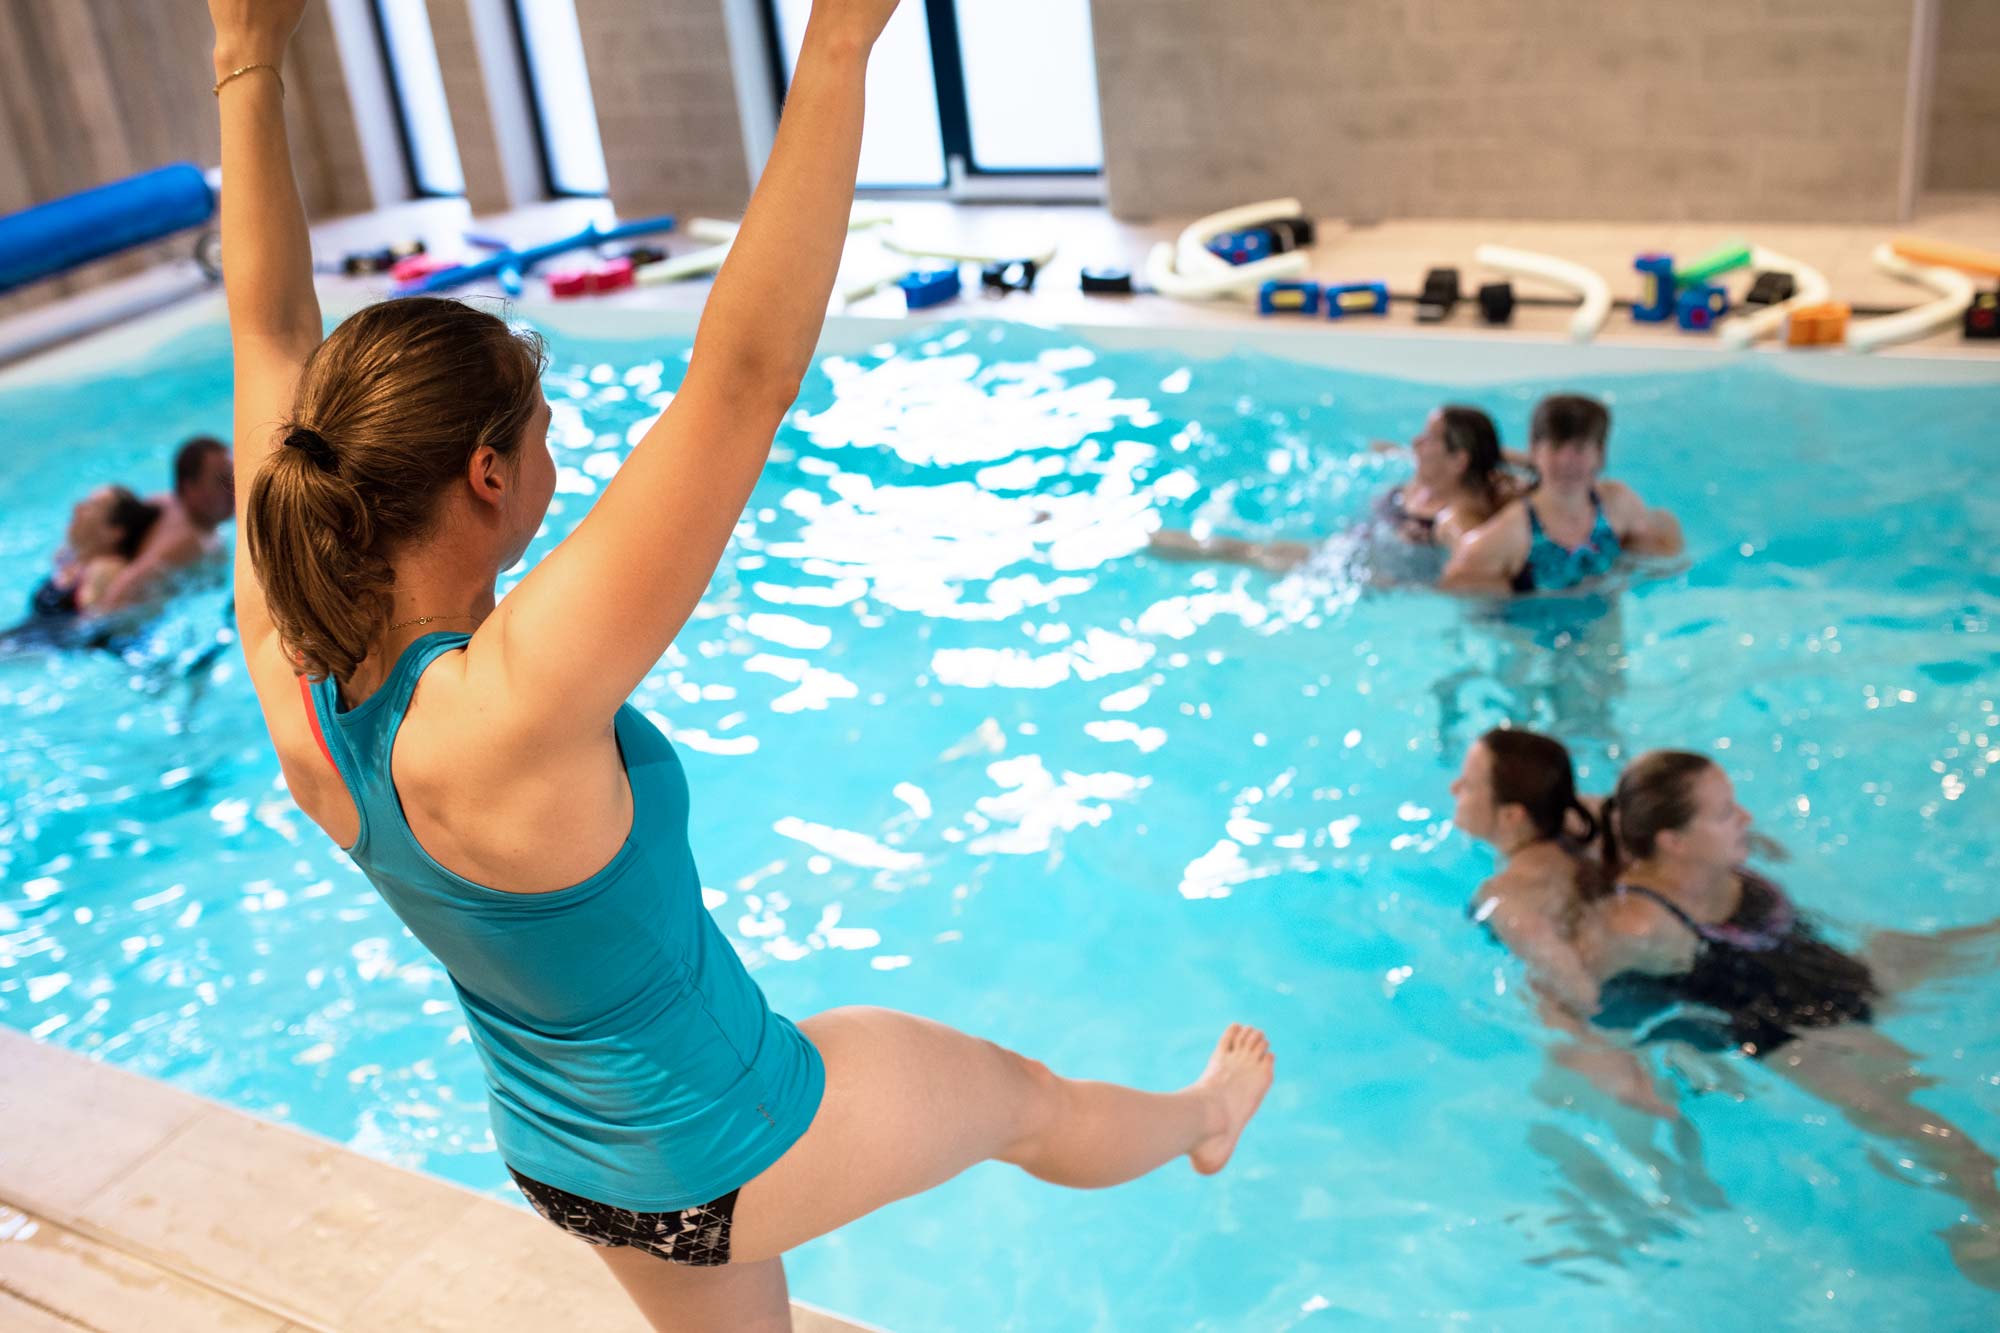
x,y
697,1237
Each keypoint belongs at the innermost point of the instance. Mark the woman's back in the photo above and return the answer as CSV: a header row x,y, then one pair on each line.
x,y
622,1038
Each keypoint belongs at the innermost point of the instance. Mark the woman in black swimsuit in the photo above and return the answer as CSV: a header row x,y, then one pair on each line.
x,y
106,530
1686,929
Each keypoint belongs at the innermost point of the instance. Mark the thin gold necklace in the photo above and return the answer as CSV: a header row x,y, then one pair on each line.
x,y
426,620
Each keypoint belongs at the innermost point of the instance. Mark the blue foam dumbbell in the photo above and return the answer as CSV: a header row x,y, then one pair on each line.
x,y
930,287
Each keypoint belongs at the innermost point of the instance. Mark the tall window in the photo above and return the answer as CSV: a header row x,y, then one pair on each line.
x,y
421,110
967,88
565,115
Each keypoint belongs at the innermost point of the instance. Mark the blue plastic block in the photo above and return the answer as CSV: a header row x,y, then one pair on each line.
x,y
1242,247
1288,298
931,287
1357,298
1656,289
1700,304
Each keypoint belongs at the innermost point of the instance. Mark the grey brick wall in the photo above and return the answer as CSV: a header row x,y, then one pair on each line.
x,y
1965,99
1611,109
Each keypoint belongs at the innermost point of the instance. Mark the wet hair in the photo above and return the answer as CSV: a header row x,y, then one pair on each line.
x,y
1534,772
134,518
1470,432
1655,795
390,410
1570,418
190,458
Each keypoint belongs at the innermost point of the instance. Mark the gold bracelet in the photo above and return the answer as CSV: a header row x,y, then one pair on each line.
x,y
241,70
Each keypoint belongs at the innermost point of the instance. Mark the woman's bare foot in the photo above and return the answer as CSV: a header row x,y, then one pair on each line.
x,y
1237,1077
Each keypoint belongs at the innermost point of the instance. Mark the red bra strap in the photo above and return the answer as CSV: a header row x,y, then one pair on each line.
x,y
312,716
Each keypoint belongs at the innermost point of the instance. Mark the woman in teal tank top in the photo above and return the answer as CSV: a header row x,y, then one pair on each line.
x,y
479,762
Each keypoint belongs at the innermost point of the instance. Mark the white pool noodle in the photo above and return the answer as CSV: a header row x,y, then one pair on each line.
x,y
1232,280
1811,288
1955,293
1596,294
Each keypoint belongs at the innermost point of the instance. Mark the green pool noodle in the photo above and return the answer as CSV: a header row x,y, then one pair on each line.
x,y
1730,257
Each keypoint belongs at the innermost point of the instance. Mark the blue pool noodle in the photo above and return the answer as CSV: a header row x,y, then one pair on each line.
x,y
55,237
520,261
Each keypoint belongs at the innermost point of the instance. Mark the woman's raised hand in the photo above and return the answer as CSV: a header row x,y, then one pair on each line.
x,y
253,32
859,21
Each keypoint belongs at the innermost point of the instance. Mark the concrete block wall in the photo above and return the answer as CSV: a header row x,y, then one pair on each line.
x,y
1965,98
666,104
1617,109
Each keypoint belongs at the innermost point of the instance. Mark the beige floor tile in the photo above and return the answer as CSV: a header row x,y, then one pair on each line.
x,y
502,1271
300,1223
18,1316
70,1126
97,1287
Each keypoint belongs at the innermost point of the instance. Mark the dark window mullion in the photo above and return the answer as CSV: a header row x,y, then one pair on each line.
x,y
948,71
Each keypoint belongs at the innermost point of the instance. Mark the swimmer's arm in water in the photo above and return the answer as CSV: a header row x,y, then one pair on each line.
x,y
1278,557
593,618
139,578
97,577
1489,557
274,315
1643,531
1558,970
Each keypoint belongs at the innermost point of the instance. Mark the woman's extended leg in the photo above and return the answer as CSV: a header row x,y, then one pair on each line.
x,y
910,1103
674,1298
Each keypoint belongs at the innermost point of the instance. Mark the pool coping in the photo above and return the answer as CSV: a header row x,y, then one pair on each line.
x,y
1466,357
131,1206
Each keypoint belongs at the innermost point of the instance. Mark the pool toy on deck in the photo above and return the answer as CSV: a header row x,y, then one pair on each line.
x,y
1982,317
1106,281
1357,298
1279,297
518,262
1013,275
932,287
361,263
611,276
1595,306
1808,287
1771,287
1187,271
1822,325
1943,254
1496,302
1699,304
54,237
1727,259
1955,296
1656,289
1243,247
1440,296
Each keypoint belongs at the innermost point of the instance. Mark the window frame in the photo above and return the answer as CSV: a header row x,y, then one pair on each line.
x,y
964,176
420,188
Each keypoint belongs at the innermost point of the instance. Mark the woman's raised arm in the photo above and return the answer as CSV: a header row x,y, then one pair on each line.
x,y
274,319
594,617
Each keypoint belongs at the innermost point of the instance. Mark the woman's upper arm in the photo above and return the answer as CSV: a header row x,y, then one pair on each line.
x,y
267,377
577,635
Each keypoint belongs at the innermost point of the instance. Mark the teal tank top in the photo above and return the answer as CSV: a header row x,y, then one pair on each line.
x,y
629,1057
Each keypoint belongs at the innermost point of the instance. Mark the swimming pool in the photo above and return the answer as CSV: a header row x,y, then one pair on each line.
x,y
957,745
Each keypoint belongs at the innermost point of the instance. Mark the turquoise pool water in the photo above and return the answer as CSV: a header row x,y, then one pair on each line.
x,y
958,745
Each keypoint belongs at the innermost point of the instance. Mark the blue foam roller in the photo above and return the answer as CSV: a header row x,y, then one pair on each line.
x,y
54,237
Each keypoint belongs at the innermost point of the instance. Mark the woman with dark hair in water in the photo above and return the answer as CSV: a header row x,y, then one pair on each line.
x,y
1680,940
106,529
1461,482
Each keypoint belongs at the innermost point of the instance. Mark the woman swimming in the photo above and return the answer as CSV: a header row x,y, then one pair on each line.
x,y
483,767
1574,525
1461,481
1685,943
106,530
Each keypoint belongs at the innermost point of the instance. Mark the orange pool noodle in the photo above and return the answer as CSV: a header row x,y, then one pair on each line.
x,y
1985,263
1818,325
